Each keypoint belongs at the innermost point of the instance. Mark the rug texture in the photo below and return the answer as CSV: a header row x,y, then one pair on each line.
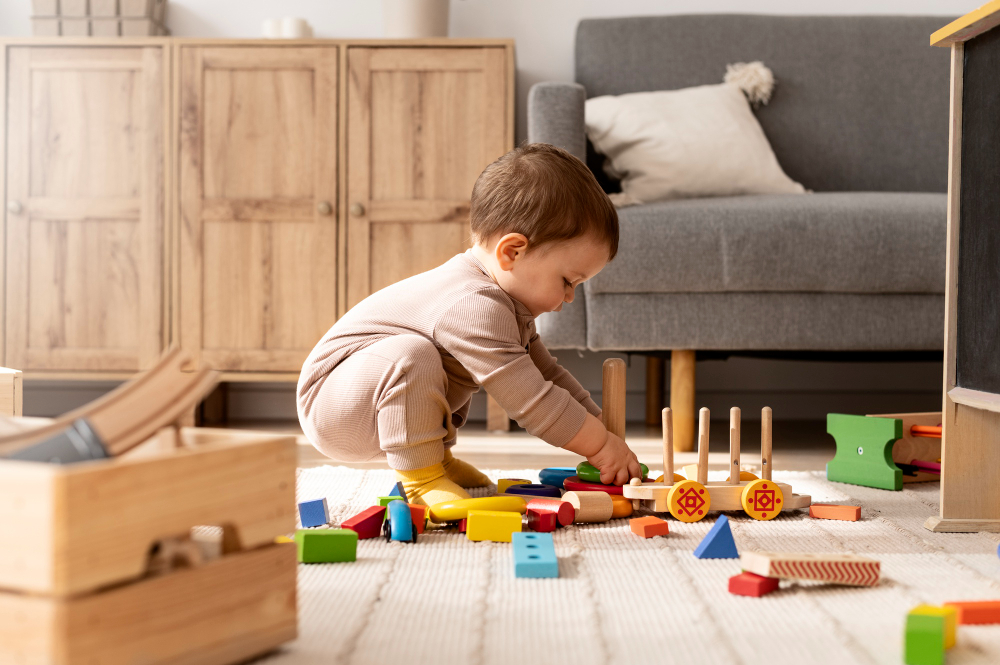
x,y
625,600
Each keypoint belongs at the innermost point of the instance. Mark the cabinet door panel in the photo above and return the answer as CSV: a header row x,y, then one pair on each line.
x,y
422,124
86,205
258,158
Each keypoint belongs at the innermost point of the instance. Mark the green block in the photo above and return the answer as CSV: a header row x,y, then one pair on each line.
x,y
326,545
924,640
384,501
864,451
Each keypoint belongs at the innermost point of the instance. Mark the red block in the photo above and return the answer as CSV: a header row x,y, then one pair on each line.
x,y
540,521
748,584
419,516
461,525
564,511
367,524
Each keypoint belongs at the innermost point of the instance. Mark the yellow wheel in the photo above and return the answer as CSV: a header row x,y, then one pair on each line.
x,y
689,501
762,499
677,478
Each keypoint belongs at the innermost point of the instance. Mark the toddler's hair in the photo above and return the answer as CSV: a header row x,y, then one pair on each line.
x,y
546,194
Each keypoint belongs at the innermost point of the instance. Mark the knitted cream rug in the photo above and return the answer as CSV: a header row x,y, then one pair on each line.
x,y
625,600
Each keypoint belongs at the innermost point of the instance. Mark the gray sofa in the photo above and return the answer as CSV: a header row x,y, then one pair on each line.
x,y
859,116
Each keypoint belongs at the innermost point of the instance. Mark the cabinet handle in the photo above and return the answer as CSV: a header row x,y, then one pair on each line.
x,y
357,209
324,208
15,207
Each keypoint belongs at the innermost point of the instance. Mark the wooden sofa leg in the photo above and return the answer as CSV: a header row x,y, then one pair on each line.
x,y
654,390
682,398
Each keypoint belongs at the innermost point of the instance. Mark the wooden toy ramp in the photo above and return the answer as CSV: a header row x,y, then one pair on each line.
x,y
133,412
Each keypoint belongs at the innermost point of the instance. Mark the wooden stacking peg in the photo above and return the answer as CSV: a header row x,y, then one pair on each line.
x,y
765,443
591,506
613,396
703,416
668,446
734,445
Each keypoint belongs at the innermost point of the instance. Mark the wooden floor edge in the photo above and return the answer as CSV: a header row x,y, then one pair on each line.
x,y
951,525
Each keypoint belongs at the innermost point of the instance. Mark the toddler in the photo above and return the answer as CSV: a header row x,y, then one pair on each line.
x,y
394,376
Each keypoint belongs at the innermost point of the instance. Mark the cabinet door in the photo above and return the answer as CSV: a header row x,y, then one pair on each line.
x,y
258,232
85,201
422,124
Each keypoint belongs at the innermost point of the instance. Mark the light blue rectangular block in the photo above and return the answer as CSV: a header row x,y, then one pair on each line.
x,y
534,555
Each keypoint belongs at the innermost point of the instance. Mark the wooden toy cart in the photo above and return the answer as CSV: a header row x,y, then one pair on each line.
x,y
77,540
691,499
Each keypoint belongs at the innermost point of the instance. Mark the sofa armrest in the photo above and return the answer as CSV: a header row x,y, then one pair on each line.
x,y
555,115
566,329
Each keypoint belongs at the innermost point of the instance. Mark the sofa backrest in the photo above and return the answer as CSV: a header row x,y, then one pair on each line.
x,y
860,102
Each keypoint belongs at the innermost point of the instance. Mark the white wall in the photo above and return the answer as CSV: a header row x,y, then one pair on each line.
x,y
544,31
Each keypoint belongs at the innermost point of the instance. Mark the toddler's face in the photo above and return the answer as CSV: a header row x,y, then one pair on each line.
x,y
546,278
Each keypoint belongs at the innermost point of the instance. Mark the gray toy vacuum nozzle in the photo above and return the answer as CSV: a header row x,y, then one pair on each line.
x,y
77,443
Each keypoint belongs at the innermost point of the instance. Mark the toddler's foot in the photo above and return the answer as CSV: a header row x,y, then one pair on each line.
x,y
430,485
463,473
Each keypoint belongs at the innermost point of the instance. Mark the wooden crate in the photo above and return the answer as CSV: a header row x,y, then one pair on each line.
x,y
226,611
74,529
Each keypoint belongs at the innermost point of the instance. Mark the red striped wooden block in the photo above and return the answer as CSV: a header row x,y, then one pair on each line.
x,y
836,568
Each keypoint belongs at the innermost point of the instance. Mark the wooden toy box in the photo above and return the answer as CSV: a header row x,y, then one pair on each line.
x,y
75,542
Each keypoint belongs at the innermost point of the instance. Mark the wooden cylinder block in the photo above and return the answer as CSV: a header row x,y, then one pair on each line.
x,y
591,506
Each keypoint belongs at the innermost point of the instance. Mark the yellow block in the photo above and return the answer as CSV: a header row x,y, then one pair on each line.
x,y
492,525
950,615
504,483
283,539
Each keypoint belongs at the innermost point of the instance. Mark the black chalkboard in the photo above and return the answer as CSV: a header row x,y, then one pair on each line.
x,y
977,360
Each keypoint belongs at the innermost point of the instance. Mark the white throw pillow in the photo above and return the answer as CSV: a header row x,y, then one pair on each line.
x,y
695,142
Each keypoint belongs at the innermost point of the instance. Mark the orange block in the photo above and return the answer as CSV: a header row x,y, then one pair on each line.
x,y
650,526
977,611
830,511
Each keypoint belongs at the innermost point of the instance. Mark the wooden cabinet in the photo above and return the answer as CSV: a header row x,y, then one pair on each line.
x,y
85,207
232,197
422,123
258,202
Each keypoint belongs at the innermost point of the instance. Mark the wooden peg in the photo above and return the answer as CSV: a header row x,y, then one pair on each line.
x,y
668,446
703,416
765,443
613,396
734,445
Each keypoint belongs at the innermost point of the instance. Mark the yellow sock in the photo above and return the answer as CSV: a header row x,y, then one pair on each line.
x,y
463,473
430,485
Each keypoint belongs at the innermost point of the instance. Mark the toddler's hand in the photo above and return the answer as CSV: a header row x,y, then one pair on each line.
x,y
616,461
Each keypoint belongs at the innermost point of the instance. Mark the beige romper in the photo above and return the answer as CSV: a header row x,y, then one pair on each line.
x,y
394,376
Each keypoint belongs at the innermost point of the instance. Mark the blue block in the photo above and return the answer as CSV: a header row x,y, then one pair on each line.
x,y
556,475
314,513
534,555
719,543
395,490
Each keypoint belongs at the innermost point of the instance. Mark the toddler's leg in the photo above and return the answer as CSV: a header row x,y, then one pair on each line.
x,y
388,399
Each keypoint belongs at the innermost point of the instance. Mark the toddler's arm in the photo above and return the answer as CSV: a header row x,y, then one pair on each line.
x,y
608,452
557,374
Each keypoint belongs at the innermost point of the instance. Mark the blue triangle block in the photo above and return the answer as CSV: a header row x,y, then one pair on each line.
x,y
395,490
719,543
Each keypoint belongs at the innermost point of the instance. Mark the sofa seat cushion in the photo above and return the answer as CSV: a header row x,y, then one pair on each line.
x,y
835,242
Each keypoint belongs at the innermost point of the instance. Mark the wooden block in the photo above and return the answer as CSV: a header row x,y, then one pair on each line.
x,y
950,616
367,523
284,539
650,526
531,490
504,483
718,543
326,545
492,525
563,510
749,584
419,515
976,611
385,501
542,521
848,569
463,525
453,511
830,511
314,513
924,639
620,506
556,475
590,506
864,451
534,555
